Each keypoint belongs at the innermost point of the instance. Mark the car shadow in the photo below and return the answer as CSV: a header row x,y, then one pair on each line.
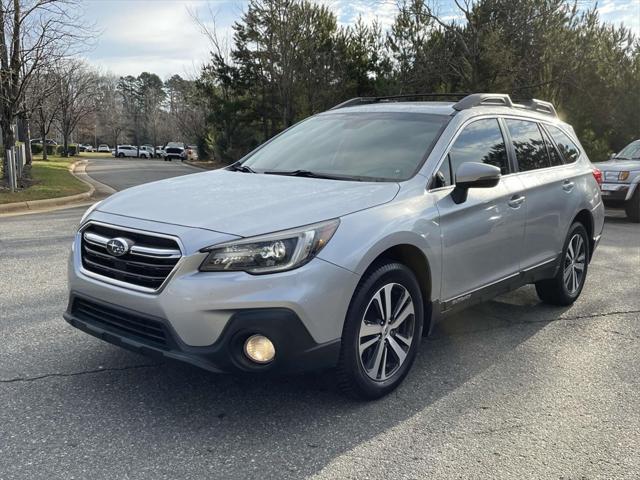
x,y
291,426
613,215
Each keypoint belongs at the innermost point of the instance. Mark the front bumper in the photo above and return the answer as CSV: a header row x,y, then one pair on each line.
x,y
616,192
296,351
199,308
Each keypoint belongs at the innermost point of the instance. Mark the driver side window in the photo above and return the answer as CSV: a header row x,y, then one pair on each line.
x,y
480,141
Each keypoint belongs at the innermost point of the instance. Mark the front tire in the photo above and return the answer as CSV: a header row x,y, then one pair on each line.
x,y
566,286
632,207
382,332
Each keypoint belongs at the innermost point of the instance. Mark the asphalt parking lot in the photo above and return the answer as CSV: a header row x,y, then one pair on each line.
x,y
508,389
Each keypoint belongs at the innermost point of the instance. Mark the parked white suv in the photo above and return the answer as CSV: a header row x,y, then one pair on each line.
x,y
174,150
145,151
343,240
125,151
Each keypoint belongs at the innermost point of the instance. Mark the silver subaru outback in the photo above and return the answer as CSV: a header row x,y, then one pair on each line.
x,y
343,240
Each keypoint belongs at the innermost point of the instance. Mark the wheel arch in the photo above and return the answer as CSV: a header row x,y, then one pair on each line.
x,y
414,258
585,217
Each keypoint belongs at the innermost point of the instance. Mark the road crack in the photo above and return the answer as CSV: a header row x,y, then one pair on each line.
x,y
75,374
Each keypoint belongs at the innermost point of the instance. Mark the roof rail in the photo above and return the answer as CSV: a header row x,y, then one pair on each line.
x,y
391,98
538,105
477,99
468,101
502,99
354,101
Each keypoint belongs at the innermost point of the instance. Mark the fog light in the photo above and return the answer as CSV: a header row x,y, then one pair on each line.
x,y
259,349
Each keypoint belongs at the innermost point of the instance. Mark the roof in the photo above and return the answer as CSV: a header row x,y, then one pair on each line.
x,y
493,103
444,108
437,108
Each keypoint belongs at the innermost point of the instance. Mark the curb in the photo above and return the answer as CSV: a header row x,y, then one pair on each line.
x,y
76,169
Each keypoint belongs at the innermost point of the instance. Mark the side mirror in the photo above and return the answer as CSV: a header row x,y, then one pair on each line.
x,y
613,155
474,175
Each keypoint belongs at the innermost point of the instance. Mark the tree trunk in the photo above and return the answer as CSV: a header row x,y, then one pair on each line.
x,y
9,142
43,137
65,143
27,140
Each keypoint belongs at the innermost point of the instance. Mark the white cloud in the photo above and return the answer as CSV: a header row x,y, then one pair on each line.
x,y
622,12
162,37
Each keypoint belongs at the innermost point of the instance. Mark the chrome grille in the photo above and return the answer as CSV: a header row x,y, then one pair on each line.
x,y
147,264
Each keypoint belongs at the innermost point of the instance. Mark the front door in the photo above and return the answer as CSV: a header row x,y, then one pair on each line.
x,y
481,237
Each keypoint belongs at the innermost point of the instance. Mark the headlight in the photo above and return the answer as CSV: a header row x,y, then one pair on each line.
x,y
274,252
89,210
622,176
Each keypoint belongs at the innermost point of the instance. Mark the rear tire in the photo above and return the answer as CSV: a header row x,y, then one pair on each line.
x,y
566,286
121,155
632,207
382,332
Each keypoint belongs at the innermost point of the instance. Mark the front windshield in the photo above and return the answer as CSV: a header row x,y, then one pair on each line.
x,y
630,152
381,146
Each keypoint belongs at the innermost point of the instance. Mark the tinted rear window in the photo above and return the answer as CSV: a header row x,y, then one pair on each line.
x,y
528,144
554,155
569,150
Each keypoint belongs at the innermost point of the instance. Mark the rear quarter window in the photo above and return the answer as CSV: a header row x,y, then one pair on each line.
x,y
554,155
568,149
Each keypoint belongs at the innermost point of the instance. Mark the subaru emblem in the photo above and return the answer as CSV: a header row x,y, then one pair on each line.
x,y
118,246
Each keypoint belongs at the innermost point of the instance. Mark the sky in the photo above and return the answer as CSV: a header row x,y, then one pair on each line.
x,y
161,36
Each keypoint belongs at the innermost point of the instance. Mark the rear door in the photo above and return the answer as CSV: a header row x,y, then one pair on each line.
x,y
550,192
481,237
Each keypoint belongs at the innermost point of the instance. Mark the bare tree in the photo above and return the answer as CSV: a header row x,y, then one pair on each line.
x,y
34,32
110,110
44,104
76,89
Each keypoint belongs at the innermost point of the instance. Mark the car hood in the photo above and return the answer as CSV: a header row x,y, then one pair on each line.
x,y
246,204
619,165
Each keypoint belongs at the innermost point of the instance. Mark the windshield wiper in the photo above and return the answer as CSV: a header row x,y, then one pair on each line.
x,y
239,167
310,174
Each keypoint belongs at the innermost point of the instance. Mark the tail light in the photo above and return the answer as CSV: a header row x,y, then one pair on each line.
x,y
597,174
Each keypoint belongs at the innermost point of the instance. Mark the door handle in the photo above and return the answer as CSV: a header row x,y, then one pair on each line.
x,y
516,201
567,185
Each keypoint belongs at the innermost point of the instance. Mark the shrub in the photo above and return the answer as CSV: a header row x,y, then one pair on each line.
x,y
36,149
73,150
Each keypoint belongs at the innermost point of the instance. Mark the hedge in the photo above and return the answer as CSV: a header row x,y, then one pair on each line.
x,y
73,150
36,149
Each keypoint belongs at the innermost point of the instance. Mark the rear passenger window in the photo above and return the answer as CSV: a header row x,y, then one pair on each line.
x,y
531,152
568,149
554,156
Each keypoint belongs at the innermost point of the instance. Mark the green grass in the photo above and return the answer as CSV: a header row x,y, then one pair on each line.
x,y
52,179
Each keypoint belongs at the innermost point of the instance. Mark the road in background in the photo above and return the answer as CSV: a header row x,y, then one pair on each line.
x,y
508,389
124,173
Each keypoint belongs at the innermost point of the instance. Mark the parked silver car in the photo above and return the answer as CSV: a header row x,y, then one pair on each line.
x,y
621,176
343,240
